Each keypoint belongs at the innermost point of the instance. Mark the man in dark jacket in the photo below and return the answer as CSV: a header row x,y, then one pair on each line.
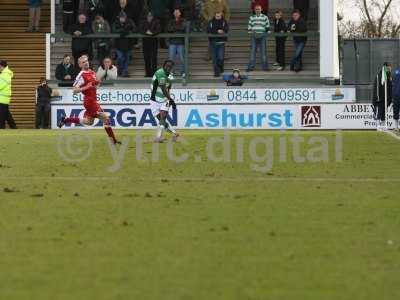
x,y
150,27
160,10
66,71
303,6
383,79
69,14
43,98
134,10
218,25
111,10
81,46
177,25
297,25
280,41
396,98
124,26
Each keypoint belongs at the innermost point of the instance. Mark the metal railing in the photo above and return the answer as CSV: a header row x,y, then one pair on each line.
x,y
188,36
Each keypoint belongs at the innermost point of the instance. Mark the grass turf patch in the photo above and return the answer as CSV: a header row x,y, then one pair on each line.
x,y
154,228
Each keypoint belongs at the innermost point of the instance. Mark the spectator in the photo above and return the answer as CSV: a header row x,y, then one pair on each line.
x,y
159,9
43,98
6,76
297,25
150,27
396,98
382,90
280,27
94,8
68,7
264,5
177,45
107,71
111,10
134,10
258,26
188,10
80,45
218,25
66,71
124,26
197,19
211,7
235,79
101,26
303,6
34,15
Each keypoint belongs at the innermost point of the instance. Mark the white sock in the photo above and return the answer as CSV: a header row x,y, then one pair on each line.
x,y
159,131
396,124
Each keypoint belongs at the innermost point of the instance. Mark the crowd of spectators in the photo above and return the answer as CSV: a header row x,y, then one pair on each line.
x,y
152,17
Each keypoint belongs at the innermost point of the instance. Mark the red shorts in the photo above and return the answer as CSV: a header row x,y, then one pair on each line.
x,y
92,109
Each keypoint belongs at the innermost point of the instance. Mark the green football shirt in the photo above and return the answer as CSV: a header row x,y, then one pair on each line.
x,y
160,79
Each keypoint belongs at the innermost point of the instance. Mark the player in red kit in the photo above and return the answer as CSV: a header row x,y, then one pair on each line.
x,y
87,83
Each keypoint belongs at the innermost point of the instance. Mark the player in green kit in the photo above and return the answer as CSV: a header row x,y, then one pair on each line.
x,y
161,100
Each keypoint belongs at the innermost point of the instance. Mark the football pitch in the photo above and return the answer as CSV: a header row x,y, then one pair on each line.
x,y
219,215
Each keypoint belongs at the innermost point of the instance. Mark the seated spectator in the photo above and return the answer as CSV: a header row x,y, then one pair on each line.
x,y
297,25
81,46
43,98
160,10
177,45
66,71
211,7
258,27
263,3
150,27
101,26
34,15
124,26
68,8
280,41
218,25
234,79
107,71
303,6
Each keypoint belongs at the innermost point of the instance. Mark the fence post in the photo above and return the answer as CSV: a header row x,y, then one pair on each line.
x,y
186,67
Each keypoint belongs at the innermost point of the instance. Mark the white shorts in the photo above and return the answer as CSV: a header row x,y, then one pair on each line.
x,y
156,107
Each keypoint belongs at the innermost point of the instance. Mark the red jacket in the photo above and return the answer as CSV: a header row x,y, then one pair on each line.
x,y
264,4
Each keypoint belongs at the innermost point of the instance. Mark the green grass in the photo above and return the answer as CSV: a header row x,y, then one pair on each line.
x,y
208,230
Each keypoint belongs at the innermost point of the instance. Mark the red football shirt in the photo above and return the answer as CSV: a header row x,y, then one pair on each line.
x,y
87,78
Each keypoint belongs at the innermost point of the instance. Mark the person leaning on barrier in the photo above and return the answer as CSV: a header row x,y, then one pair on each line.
x,y
218,26
280,41
258,26
81,46
101,26
297,25
6,76
396,98
150,27
176,52
382,79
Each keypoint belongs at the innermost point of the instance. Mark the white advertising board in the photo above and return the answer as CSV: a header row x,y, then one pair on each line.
x,y
217,96
285,116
